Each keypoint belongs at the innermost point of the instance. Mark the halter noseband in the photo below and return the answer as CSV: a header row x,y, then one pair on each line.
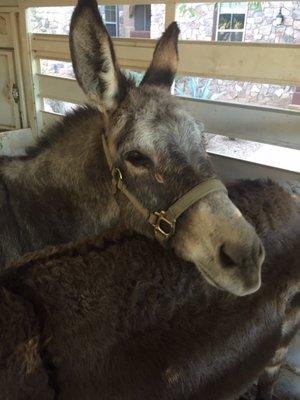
x,y
163,222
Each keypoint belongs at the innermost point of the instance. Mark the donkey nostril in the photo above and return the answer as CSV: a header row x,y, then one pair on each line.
x,y
226,260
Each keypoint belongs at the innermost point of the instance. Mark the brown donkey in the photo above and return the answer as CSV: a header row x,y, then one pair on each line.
x,y
62,190
123,318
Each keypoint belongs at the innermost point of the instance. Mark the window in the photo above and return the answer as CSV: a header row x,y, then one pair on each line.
x,y
142,17
111,14
231,22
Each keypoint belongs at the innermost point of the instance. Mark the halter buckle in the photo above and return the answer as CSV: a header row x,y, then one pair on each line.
x,y
163,226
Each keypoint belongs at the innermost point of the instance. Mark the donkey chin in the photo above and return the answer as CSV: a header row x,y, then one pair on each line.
x,y
225,248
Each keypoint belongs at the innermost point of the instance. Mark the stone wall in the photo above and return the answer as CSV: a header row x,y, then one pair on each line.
x,y
157,20
260,25
232,91
52,20
195,20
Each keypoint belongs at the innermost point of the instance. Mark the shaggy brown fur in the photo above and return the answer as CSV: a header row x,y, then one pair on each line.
x,y
120,317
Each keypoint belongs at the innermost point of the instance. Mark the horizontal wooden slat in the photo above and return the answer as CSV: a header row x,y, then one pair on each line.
x,y
49,118
60,88
8,9
258,153
53,45
229,168
259,124
9,3
45,3
58,3
257,62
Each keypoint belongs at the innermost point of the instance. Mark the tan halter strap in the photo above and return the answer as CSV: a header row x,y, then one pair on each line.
x,y
163,222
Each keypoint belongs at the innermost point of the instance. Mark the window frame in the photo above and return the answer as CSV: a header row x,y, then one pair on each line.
x,y
144,17
217,30
112,23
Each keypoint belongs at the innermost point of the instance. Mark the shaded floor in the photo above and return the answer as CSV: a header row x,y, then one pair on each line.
x,y
250,395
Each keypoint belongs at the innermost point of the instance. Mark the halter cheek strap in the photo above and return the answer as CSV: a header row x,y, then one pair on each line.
x,y
163,222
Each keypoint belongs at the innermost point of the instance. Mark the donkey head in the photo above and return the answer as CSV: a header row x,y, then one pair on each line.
x,y
160,149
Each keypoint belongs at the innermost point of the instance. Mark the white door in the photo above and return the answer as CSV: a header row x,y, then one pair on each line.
x,y
9,109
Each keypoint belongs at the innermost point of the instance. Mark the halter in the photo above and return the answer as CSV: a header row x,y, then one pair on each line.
x,y
163,222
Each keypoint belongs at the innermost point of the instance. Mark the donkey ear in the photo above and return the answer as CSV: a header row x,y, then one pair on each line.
x,y
93,57
163,67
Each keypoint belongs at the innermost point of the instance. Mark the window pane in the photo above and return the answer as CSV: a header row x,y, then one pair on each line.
x,y
224,36
238,21
110,13
237,92
111,29
145,21
142,17
225,21
236,36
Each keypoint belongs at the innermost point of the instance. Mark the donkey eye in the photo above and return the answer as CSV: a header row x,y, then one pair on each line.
x,y
137,159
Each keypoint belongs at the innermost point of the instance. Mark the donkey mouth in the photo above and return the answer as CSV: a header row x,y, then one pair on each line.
x,y
209,279
233,290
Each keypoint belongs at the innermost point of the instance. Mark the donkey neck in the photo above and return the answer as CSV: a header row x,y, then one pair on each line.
x,y
69,159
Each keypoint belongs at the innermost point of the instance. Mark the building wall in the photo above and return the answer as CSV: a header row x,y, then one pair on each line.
x,y
241,92
196,20
260,25
157,20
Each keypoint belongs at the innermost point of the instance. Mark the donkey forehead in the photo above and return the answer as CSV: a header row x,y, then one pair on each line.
x,y
153,119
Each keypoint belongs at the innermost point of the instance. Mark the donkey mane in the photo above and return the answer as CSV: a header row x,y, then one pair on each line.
x,y
81,116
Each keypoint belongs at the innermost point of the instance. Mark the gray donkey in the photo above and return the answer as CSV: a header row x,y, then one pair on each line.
x,y
62,189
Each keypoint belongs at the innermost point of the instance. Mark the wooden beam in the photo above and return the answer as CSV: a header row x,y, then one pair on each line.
x,y
259,124
60,89
228,168
255,62
48,3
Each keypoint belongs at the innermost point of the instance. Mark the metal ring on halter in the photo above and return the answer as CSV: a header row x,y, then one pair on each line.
x,y
163,226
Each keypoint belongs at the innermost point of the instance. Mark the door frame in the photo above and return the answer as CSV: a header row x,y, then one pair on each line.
x,y
12,80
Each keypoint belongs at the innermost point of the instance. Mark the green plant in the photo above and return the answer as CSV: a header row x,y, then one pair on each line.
x,y
255,5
